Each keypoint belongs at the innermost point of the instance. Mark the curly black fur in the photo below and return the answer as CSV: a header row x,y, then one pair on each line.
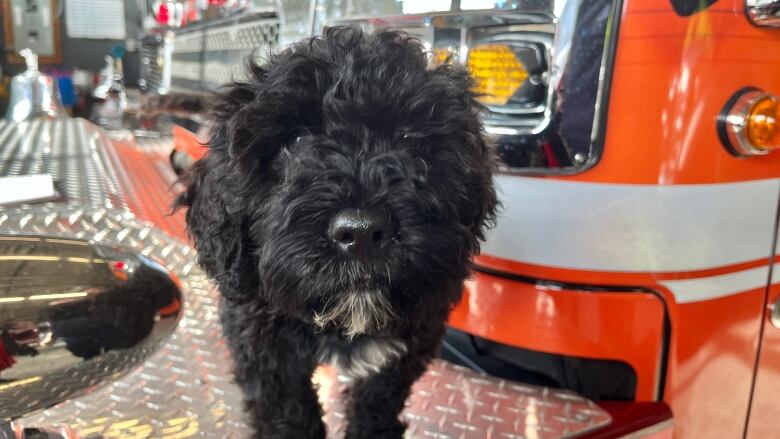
x,y
347,120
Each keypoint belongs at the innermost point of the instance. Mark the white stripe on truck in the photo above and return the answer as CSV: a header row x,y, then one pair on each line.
x,y
633,228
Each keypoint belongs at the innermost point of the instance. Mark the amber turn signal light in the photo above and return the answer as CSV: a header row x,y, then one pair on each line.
x,y
750,123
497,71
763,124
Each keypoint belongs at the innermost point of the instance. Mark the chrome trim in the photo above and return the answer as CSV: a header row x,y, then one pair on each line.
x,y
155,63
167,54
774,313
763,12
111,93
733,120
33,94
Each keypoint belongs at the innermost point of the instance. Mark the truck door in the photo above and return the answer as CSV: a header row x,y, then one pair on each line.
x,y
762,415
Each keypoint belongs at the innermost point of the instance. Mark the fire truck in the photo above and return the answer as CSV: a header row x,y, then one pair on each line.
x,y
634,258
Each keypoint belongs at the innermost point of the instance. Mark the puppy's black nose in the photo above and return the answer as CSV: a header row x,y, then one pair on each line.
x,y
360,232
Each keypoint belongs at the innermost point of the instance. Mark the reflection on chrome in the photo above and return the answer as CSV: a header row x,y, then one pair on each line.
x,y
72,314
16,431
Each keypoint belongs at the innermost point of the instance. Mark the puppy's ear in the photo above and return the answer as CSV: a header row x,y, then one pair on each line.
x,y
464,115
254,118
251,120
217,224
217,216
235,127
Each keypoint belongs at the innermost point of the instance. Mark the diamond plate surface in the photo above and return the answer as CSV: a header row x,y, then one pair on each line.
x,y
185,389
73,151
453,402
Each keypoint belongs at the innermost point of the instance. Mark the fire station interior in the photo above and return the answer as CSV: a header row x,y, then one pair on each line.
x,y
628,286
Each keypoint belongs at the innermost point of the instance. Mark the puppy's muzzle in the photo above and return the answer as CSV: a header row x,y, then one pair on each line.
x,y
361,233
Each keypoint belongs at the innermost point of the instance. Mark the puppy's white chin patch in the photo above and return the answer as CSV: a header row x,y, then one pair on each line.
x,y
356,313
366,357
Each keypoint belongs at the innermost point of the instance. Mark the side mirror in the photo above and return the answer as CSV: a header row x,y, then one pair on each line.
x,y
74,314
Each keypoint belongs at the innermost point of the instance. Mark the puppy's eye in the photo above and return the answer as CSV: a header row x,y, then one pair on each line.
x,y
291,145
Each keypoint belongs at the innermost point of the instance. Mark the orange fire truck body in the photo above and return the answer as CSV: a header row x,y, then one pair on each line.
x,y
660,255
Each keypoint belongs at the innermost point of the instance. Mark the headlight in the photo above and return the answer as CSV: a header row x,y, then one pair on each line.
x,y
541,67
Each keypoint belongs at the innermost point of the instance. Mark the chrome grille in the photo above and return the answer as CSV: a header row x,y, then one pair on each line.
x,y
244,36
153,63
208,56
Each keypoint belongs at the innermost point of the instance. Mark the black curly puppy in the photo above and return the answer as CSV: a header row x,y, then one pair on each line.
x,y
346,188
